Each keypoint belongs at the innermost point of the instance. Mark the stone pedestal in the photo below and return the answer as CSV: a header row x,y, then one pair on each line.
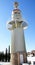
x,y
18,58
15,58
25,57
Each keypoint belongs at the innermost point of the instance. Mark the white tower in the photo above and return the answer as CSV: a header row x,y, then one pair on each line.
x,y
17,26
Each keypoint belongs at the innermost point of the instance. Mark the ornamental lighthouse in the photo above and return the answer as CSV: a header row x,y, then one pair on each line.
x,y
17,26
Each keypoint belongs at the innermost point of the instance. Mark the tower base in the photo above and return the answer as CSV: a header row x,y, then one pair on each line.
x,y
16,58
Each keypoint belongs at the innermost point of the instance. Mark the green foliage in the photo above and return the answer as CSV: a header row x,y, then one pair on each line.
x,y
5,57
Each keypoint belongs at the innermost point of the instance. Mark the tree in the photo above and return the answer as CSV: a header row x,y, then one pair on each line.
x,y
6,55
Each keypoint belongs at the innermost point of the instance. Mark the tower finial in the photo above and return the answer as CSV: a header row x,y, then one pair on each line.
x,y
16,4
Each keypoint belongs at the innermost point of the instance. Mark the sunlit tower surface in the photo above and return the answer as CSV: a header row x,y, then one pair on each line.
x,y
17,26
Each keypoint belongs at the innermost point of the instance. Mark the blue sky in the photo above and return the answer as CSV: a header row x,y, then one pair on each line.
x,y
28,12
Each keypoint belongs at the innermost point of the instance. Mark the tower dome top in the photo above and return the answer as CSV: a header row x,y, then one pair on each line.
x,y
16,4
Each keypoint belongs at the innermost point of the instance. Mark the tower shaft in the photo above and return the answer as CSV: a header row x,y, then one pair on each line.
x,y
18,47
